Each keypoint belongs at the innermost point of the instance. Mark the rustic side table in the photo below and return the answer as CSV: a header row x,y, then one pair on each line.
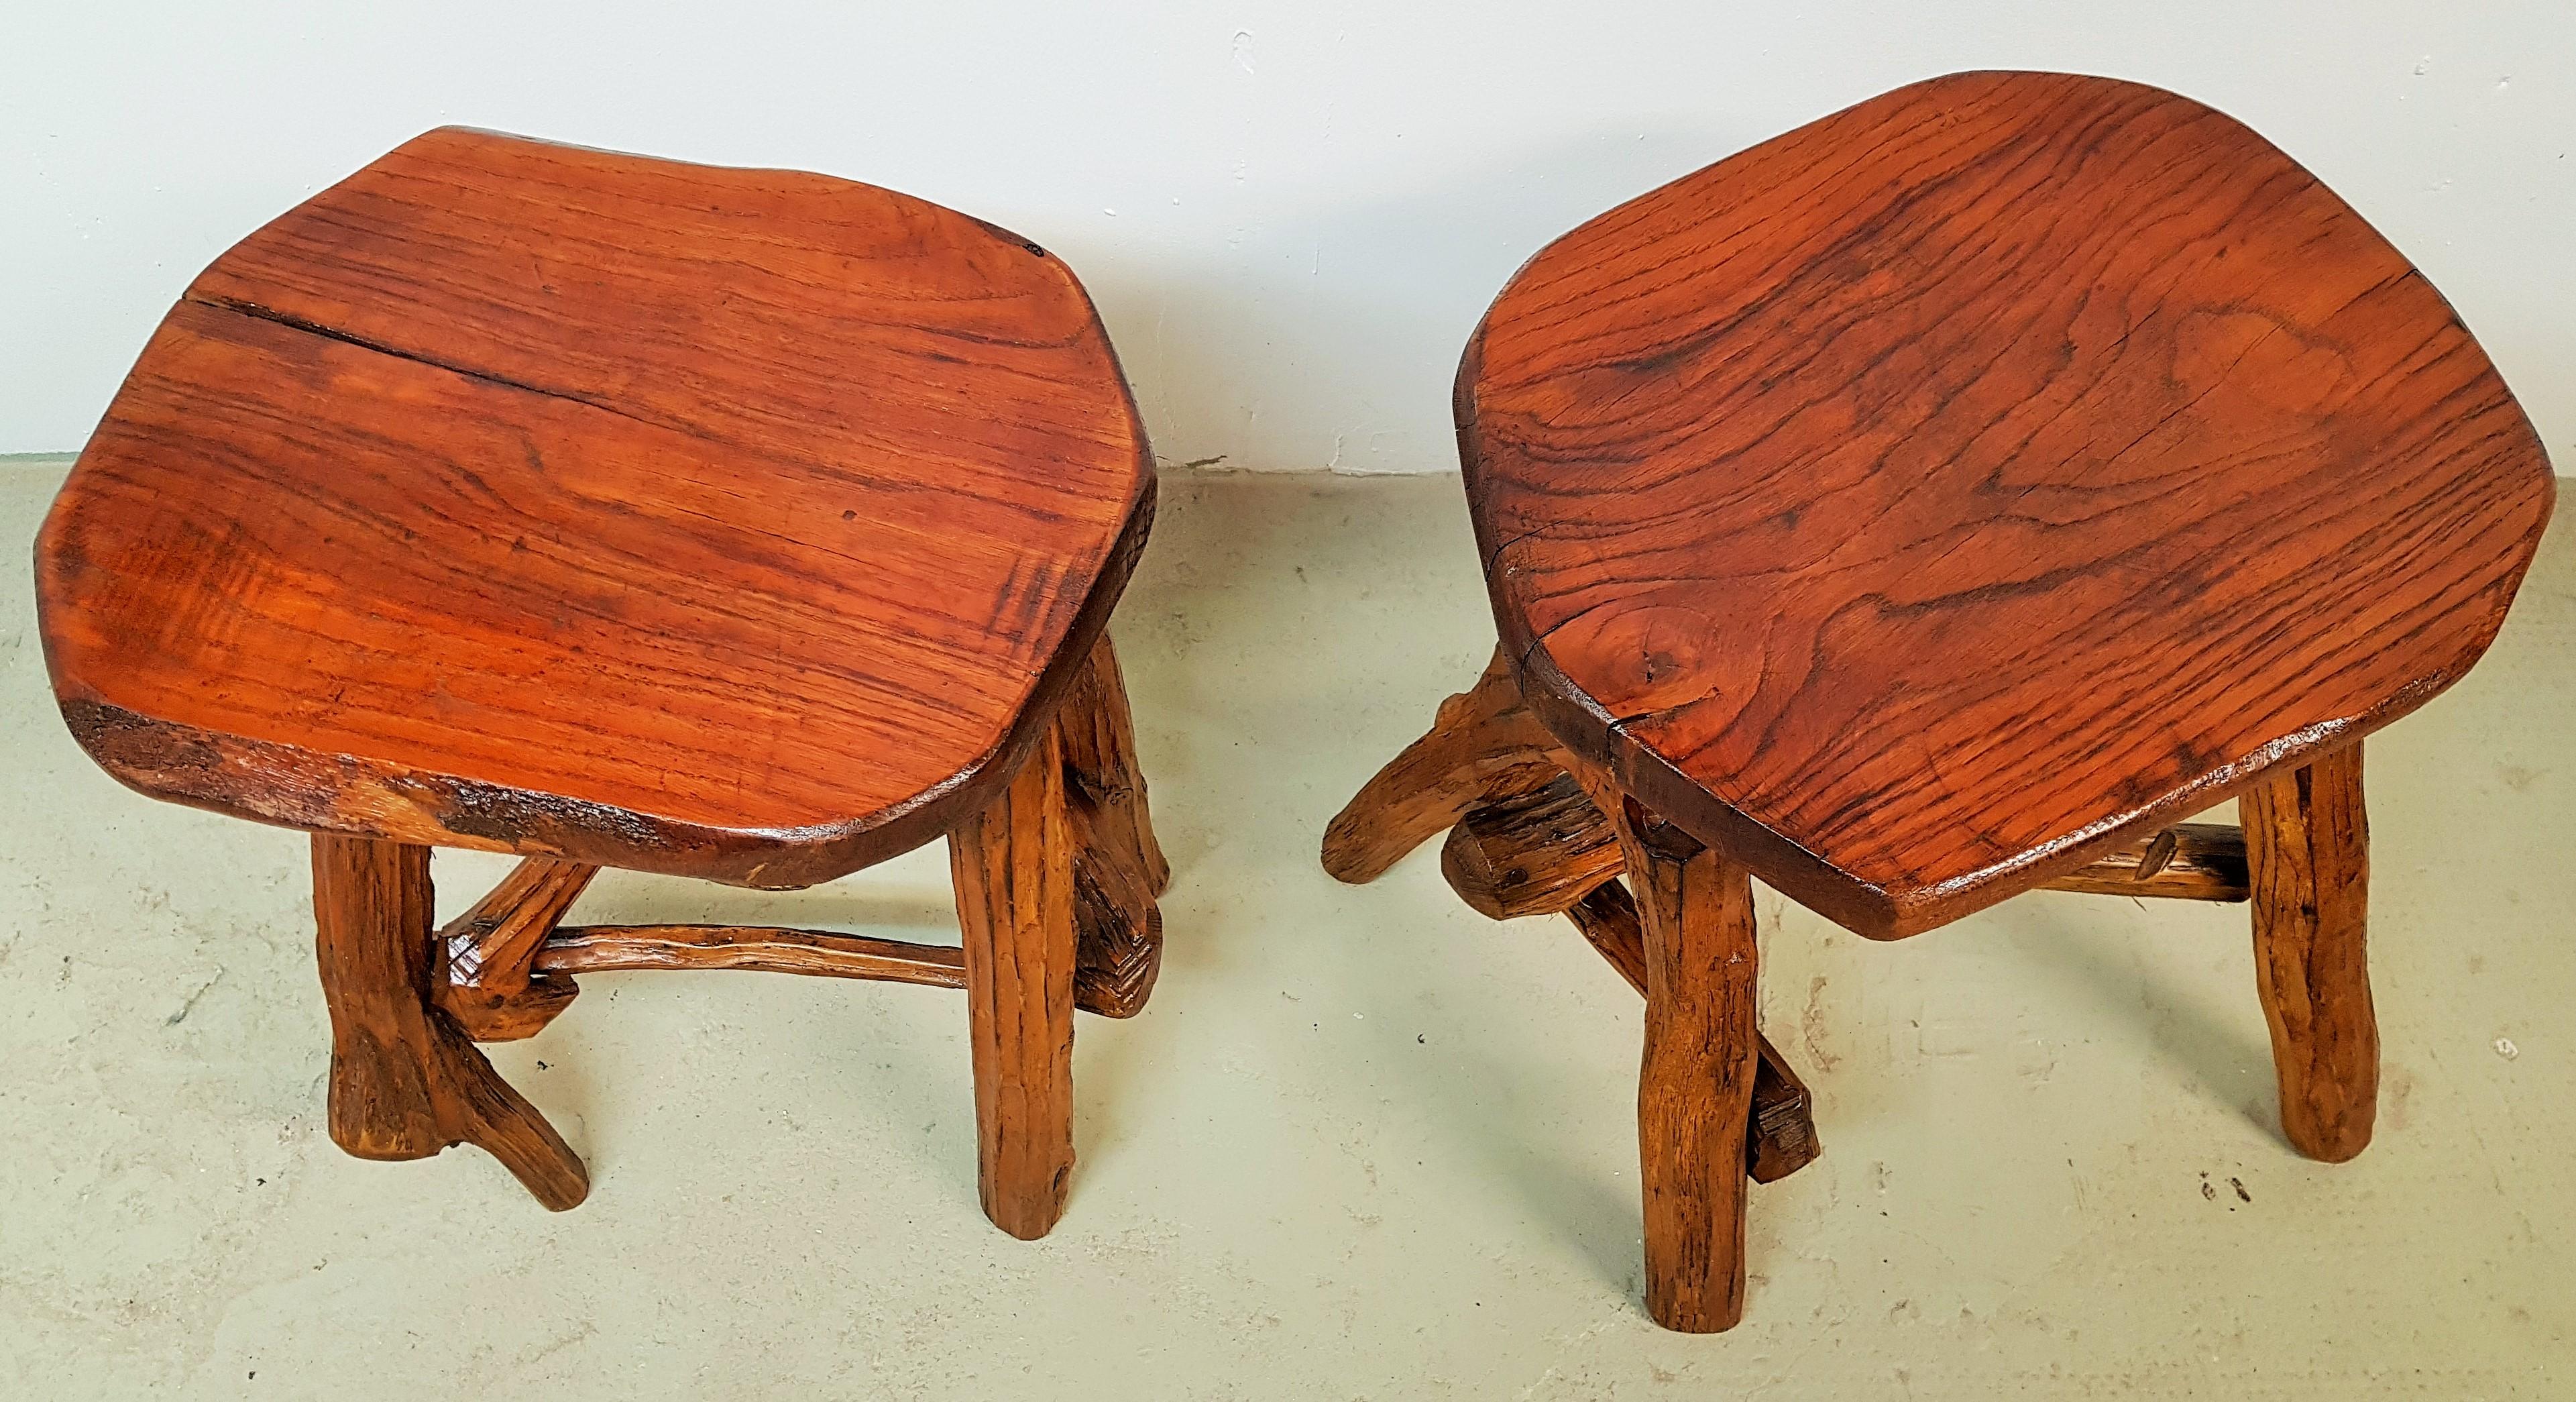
x,y
746,525
1936,503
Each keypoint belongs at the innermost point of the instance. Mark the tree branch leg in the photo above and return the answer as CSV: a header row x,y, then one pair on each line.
x,y
1695,1089
1013,865
2307,847
1484,745
405,1081
1118,867
1781,1137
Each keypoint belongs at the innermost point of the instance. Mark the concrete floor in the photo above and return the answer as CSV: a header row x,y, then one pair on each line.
x,y
1363,1144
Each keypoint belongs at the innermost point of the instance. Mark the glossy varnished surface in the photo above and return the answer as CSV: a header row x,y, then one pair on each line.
x,y
1919,503
732,523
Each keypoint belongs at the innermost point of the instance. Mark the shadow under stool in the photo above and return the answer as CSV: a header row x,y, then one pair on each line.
x,y
746,525
1937,503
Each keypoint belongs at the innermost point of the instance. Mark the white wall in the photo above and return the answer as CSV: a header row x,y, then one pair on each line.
x,y
1290,214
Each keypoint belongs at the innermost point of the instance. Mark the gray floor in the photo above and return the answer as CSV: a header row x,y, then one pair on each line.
x,y
1363,1144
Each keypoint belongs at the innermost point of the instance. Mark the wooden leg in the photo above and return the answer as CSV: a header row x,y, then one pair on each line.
x,y
1118,867
1549,849
1100,756
2307,848
1013,865
1695,1091
405,1082
1782,1136
1485,745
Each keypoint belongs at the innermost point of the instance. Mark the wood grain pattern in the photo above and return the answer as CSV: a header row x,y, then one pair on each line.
x,y
2188,861
1695,1089
405,1082
595,949
1013,866
728,523
1535,852
1926,502
1782,1136
2307,840
484,979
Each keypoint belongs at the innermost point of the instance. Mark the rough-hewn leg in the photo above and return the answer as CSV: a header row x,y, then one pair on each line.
x,y
1013,865
405,1082
1695,1091
1100,754
1118,867
1118,927
483,975
1484,745
1782,1136
2307,848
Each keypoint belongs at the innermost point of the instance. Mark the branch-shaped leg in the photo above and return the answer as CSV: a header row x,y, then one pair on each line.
x,y
1484,745
485,978
405,1082
1541,850
1782,1136
1013,865
2307,847
1118,867
1695,1090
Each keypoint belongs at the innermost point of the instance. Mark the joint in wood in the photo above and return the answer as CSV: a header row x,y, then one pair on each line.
x,y
1532,852
484,975
1665,840
2188,861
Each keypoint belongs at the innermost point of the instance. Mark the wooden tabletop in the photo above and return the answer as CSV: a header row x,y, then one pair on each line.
x,y
733,523
1921,503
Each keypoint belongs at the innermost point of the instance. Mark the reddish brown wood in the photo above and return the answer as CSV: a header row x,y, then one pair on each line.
x,y
594,949
483,977
405,1082
729,523
1782,1136
2188,861
2307,838
1013,865
1484,745
1931,500
1695,1091
1118,867
1535,852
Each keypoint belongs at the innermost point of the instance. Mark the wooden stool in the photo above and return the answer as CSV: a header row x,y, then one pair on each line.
x,y
1933,504
746,525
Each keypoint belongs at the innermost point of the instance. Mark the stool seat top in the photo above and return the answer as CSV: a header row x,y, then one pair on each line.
x,y
1922,503
732,523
